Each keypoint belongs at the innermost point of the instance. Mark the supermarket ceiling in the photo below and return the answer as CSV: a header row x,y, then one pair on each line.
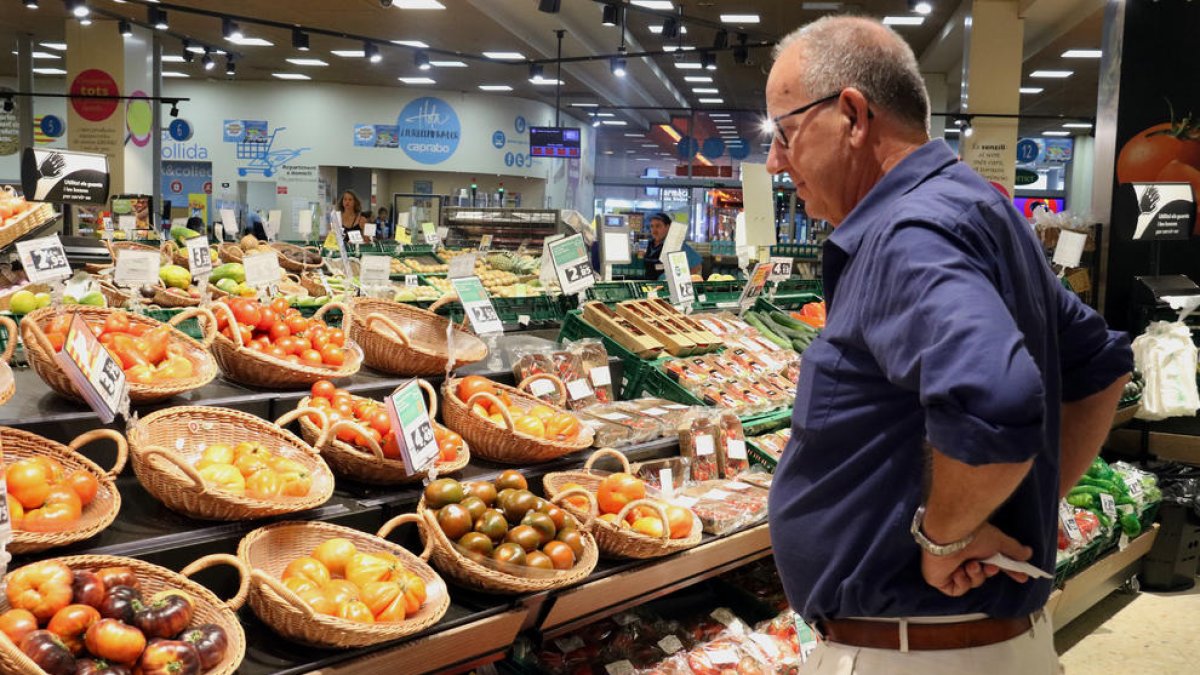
x,y
455,39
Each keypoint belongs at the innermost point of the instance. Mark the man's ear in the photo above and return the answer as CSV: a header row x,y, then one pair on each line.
x,y
855,106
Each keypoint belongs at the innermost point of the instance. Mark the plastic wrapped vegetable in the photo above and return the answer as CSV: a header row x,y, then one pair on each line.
x,y
698,443
569,367
731,445
595,363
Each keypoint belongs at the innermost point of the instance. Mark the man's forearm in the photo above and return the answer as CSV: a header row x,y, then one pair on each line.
x,y
1085,425
962,497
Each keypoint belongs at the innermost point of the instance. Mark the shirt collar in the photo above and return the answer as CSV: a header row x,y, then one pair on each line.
x,y
913,170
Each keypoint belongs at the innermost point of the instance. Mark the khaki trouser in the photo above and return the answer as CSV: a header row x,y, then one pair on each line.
x,y
1029,654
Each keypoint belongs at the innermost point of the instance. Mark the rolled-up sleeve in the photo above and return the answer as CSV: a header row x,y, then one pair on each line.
x,y
1091,356
939,328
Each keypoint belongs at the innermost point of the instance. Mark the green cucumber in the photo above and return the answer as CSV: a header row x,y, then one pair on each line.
x,y
757,322
787,321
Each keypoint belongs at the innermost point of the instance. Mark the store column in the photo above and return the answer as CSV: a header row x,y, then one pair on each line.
x,y
992,48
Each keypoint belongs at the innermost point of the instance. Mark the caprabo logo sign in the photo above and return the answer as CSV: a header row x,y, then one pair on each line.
x,y
429,130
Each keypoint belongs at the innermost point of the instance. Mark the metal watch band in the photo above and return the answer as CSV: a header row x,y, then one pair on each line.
x,y
930,547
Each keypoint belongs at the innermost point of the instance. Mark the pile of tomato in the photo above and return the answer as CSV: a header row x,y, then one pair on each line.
x,y
280,331
250,468
620,489
505,522
375,423
147,354
98,623
43,497
541,421
337,579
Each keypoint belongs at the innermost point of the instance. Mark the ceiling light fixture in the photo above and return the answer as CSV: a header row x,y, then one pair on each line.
x,y
290,76
8,104
920,6
124,28
1056,133
175,74
585,105
536,71
207,61
1052,74
1082,54
495,87
230,30
903,20
316,63
299,40
417,80
173,58
711,100
611,15
49,71
504,56
31,4
188,55
740,18
741,53
78,8
549,6
619,65
421,60
1031,90
174,109
371,51
703,79
654,4
708,60
1077,125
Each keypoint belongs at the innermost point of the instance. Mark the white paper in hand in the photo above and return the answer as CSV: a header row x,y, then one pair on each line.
x,y
1006,563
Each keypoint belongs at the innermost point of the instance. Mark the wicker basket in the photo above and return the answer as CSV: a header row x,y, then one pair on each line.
x,y
44,359
98,514
9,385
401,339
245,365
372,467
114,246
268,550
312,285
614,540
206,607
230,253
15,228
114,297
172,300
177,255
473,574
292,265
503,443
163,461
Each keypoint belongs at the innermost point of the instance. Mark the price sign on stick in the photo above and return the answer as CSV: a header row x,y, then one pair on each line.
x,y
198,255
754,287
97,375
44,259
262,269
274,221
413,429
679,279
375,270
572,264
781,269
411,280
429,231
229,220
369,230
355,237
1069,249
477,305
485,243
136,268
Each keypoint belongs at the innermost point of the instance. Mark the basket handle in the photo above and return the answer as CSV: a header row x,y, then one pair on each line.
x,y
358,429
291,416
168,248
235,603
233,323
408,518
391,325
187,469
558,384
432,403
607,452
654,504
593,508
114,436
289,596
499,404
320,313
38,335
209,324
10,328
446,299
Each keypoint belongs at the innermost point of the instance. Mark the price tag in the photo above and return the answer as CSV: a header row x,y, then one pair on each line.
x,y
654,412
724,616
1108,505
781,269
614,417
622,667
44,259
262,269
369,230
736,448
1066,516
338,235
355,237
136,268
715,495
375,270
579,389
541,387
411,280
737,485
304,223
274,220
601,376
485,243
686,502
572,264
429,232
1135,487
462,266
97,375
410,422
229,222
567,645
127,224
679,279
754,286
477,305
199,256
1069,249
666,481
523,319
670,645
675,406
443,234
704,445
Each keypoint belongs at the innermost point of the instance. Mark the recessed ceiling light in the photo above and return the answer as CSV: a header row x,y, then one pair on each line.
x,y
711,100
699,79
658,29
615,123
291,76
411,43
688,65
705,90
348,53
59,46
653,4
1077,125
505,56
649,145
174,73
448,64
307,62
739,18
1082,54
418,4
1031,90
903,20
1056,133
678,48
195,49
417,80
53,71
495,87
1053,74
172,58
606,114
252,42
719,114
641,159
950,130
585,105
541,81
45,55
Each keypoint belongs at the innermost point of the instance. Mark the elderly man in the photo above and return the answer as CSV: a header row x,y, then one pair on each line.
x,y
957,391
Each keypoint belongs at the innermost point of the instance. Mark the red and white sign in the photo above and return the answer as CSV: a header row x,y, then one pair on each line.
x,y
176,187
281,190
94,82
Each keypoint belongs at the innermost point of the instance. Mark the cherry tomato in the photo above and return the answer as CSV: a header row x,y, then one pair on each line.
x,y
297,324
280,306
333,355
311,357
278,331
380,421
323,389
267,319
319,338
337,337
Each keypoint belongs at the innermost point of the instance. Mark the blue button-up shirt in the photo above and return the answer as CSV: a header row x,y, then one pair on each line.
x,y
947,327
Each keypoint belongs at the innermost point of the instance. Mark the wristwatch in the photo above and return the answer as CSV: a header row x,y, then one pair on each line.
x,y
930,547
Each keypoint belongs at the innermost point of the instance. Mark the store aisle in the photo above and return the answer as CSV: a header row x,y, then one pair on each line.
x,y
1146,633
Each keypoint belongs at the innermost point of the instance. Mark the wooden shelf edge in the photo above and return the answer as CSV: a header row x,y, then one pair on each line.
x,y
1093,584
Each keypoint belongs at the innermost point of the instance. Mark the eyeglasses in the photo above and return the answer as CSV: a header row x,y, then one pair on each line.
x,y
781,136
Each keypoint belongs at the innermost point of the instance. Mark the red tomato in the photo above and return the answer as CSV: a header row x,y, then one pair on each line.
x,y
1145,155
323,389
381,421
278,330
319,337
293,358
297,324
337,337
247,312
277,351
279,306
311,357
267,319
333,355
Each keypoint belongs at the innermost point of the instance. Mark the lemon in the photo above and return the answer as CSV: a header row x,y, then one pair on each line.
x,y
22,303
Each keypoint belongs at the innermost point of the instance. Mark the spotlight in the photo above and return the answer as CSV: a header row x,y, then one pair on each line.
x,y
157,18
548,6
595,121
230,66
618,64
125,29
920,6
721,39
421,60
85,20
536,72
31,4
611,15
207,61
299,40
188,54
174,109
230,30
670,29
708,60
78,8
371,51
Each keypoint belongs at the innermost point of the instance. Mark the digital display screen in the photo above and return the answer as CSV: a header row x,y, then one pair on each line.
x,y
554,141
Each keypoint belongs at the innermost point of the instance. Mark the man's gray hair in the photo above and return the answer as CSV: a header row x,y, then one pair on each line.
x,y
850,51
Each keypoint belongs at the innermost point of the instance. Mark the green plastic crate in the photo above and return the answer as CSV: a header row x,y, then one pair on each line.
x,y
614,291
794,301
190,327
814,286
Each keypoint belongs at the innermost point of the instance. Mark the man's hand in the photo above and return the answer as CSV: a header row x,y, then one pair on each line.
x,y
956,574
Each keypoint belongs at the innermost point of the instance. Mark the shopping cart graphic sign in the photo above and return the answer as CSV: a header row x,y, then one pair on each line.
x,y
256,150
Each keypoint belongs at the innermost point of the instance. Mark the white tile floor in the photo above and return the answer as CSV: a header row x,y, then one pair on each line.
x,y
1144,633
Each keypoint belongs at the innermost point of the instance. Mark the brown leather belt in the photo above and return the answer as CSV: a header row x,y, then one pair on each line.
x,y
923,636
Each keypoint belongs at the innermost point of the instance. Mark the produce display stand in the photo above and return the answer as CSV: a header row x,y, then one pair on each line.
x,y
1095,582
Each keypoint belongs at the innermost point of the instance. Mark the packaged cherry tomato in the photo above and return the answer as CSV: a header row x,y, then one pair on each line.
x,y
698,443
595,363
731,445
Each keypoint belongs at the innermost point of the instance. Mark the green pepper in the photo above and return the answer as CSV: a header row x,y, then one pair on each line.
x,y
1105,521
1088,490
1100,469
1082,500
1130,525
1107,485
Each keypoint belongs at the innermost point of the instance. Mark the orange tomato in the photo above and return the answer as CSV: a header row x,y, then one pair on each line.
x,y
562,427
295,483
530,425
16,512
385,599
355,610
479,410
42,588
366,567
309,568
299,585
71,622
578,501
473,384
64,494
17,623
617,490
28,482
58,517
342,590
414,591
54,470
84,484
680,521
250,463
1147,153
224,477
319,601
264,484
323,389
217,453
649,526
560,554
542,412
335,553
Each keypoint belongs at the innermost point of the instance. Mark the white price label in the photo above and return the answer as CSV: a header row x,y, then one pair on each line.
x,y
666,481
485,243
1135,487
1108,505
736,448
723,615
654,412
679,279
767,644
781,269
601,376
304,223
675,406
1069,249
44,259
229,222
704,445
477,306
686,502
369,230
622,667
355,237
572,264
541,387
567,645
136,268
411,280
579,389
614,417
737,486
199,256
462,266
262,269
274,221
716,495
1066,516
670,645
375,270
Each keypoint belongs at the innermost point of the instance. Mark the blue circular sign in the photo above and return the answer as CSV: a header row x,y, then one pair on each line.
x,y
498,139
687,147
519,124
429,130
738,148
1027,150
509,159
180,130
52,126
712,148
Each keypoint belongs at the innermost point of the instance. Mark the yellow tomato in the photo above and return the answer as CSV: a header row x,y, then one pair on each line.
x,y
224,477
217,453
